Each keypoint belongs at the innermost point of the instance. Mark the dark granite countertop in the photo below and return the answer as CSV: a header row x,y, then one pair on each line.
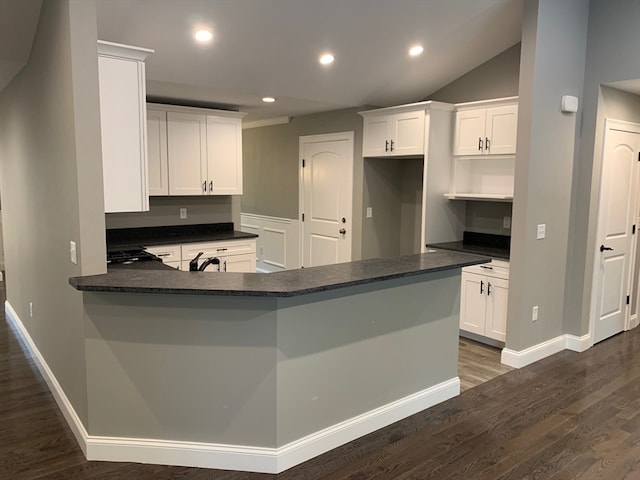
x,y
494,252
280,284
131,238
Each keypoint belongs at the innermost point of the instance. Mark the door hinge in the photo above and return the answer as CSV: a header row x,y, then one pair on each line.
x,y
303,217
304,163
628,299
633,230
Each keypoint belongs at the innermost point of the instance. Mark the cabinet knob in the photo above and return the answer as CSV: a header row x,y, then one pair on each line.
x,y
343,231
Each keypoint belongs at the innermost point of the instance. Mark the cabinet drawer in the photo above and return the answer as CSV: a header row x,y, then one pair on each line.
x,y
168,253
211,249
497,269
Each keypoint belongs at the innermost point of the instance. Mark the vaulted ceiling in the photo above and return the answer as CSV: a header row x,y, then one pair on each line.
x,y
271,48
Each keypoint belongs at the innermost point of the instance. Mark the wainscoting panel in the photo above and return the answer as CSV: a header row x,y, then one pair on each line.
x,y
278,242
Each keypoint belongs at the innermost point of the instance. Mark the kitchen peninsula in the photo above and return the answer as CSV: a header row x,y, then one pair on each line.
x,y
261,372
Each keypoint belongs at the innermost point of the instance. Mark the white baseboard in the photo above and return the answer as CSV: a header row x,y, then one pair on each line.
x,y
522,358
230,457
633,321
63,402
578,344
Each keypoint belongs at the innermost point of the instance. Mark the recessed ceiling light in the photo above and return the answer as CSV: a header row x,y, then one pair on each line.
x,y
268,99
203,36
416,50
326,59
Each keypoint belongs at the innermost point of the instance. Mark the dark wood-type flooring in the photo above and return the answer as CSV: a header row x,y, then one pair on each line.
x,y
478,363
570,416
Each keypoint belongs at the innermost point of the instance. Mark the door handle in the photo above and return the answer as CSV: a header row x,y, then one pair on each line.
x,y
343,231
603,248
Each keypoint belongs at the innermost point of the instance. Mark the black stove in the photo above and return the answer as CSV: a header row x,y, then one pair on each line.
x,y
131,256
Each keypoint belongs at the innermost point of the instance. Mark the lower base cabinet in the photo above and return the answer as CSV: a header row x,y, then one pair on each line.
x,y
483,300
234,255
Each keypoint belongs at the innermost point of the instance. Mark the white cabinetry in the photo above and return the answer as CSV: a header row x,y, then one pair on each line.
x,y
203,150
486,128
170,254
157,152
483,300
484,147
121,76
234,255
394,131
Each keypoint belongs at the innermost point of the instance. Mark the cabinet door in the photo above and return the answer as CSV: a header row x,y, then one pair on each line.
x,y
376,136
123,128
469,133
473,301
407,133
497,293
157,152
187,153
224,155
502,128
239,263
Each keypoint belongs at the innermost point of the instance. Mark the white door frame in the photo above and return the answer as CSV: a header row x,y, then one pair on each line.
x,y
328,137
610,124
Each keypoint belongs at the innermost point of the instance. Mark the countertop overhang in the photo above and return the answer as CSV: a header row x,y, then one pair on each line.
x,y
289,283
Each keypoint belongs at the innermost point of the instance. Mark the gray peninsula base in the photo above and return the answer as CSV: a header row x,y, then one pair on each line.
x,y
264,383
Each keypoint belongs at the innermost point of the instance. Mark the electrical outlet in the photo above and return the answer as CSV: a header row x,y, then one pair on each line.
x,y
369,212
73,252
534,313
542,231
506,222
183,213
31,309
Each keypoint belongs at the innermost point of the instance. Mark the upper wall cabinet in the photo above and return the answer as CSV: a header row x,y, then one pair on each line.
x,y
123,126
203,151
486,128
394,131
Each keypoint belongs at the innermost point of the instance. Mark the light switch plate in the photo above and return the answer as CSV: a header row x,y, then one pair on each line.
x,y
369,212
506,222
534,313
73,252
542,231
183,213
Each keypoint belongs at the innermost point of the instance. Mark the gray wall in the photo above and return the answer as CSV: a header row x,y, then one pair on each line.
x,y
612,56
495,78
51,184
393,189
166,211
271,165
554,41
487,217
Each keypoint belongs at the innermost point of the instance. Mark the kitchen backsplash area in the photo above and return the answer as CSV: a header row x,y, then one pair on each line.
x,y
165,211
488,217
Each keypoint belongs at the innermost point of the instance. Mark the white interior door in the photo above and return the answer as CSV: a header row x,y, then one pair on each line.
x,y
618,191
326,186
